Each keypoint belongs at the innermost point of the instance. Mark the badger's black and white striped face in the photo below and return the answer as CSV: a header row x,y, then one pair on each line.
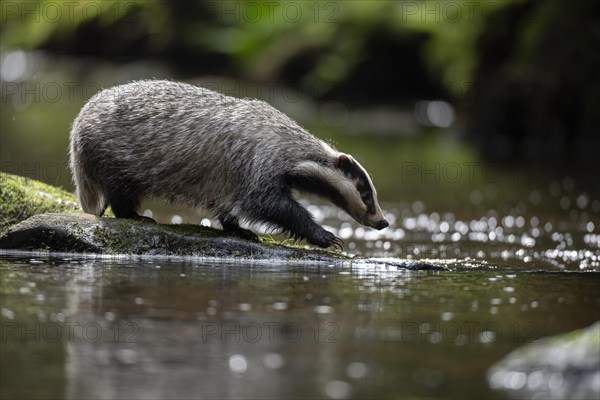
x,y
347,184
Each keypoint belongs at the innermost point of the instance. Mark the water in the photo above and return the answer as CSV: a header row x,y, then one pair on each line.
x,y
523,260
81,327
76,327
522,244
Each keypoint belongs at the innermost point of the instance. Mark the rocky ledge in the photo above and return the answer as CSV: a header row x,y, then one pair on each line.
x,y
39,217
84,233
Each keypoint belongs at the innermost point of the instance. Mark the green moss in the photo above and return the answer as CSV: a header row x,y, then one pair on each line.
x,y
302,251
196,230
115,243
21,198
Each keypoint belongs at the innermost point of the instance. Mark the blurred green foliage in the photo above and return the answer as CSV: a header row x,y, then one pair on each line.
x,y
30,24
259,38
523,74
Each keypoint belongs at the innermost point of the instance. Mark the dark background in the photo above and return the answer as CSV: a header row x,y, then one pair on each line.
x,y
503,84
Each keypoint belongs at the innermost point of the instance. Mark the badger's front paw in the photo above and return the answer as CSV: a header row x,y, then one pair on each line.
x,y
325,239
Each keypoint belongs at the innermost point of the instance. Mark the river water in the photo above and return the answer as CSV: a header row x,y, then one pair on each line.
x,y
521,246
115,328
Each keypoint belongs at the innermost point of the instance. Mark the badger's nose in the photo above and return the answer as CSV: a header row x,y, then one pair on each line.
x,y
382,224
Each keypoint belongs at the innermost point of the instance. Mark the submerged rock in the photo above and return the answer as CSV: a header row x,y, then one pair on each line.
x,y
561,367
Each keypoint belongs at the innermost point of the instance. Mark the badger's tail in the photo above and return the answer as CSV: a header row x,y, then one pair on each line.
x,y
90,195
91,198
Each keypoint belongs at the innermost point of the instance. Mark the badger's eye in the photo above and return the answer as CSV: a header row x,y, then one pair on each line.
x,y
365,196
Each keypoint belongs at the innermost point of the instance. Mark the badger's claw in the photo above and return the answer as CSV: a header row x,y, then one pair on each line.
x,y
326,239
339,243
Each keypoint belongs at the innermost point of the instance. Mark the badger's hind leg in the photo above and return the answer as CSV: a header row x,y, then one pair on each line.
x,y
125,205
231,225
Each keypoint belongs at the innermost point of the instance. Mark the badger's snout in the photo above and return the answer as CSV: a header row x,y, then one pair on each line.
x,y
379,225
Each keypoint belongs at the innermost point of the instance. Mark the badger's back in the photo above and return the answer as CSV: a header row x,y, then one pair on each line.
x,y
185,144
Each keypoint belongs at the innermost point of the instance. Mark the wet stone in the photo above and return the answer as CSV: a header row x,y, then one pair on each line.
x,y
558,367
84,233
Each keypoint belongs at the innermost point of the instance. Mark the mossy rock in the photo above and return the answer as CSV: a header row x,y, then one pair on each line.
x,y
78,232
84,233
38,217
557,367
21,198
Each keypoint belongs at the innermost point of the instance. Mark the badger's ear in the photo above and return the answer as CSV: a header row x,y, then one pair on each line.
x,y
341,161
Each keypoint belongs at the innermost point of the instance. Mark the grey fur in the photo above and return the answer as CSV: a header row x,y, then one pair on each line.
x,y
192,146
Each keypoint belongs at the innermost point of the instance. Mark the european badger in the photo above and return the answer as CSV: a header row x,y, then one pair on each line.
x,y
239,158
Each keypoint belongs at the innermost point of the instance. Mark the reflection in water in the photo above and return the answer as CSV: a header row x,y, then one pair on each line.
x,y
517,237
181,329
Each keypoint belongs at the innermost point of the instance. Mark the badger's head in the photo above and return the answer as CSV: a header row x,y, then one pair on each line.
x,y
347,184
